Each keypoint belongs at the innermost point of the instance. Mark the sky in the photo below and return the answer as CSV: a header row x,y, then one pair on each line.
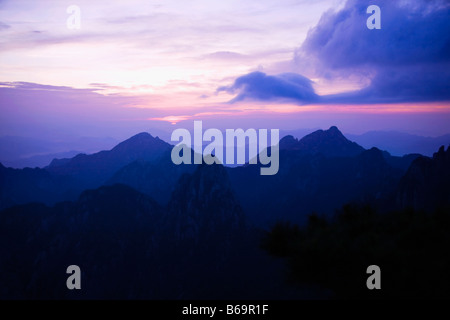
x,y
154,66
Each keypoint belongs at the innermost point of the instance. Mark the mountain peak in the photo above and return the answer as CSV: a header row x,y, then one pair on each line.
x,y
441,152
425,185
330,143
332,132
98,167
141,135
139,139
288,142
334,129
139,143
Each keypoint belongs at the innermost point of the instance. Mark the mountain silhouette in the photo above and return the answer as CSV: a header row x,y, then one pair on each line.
x,y
101,232
65,179
192,231
330,143
20,186
311,169
401,163
400,143
128,246
93,170
156,178
426,184
203,207
313,178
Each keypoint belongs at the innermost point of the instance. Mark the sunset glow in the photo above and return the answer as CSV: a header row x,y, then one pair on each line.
x,y
144,64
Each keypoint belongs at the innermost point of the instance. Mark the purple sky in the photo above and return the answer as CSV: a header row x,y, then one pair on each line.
x,y
155,65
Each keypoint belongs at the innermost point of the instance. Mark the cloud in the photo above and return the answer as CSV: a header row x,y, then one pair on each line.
x,y
407,60
413,84
259,86
226,55
37,38
412,32
41,87
4,26
30,109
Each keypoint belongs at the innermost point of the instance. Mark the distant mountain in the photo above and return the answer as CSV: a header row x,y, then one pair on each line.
x,y
400,143
320,172
158,178
13,147
38,161
330,143
426,185
20,152
317,172
298,133
65,179
93,170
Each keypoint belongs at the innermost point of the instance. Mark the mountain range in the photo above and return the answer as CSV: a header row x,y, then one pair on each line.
x,y
400,143
190,231
20,152
321,165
